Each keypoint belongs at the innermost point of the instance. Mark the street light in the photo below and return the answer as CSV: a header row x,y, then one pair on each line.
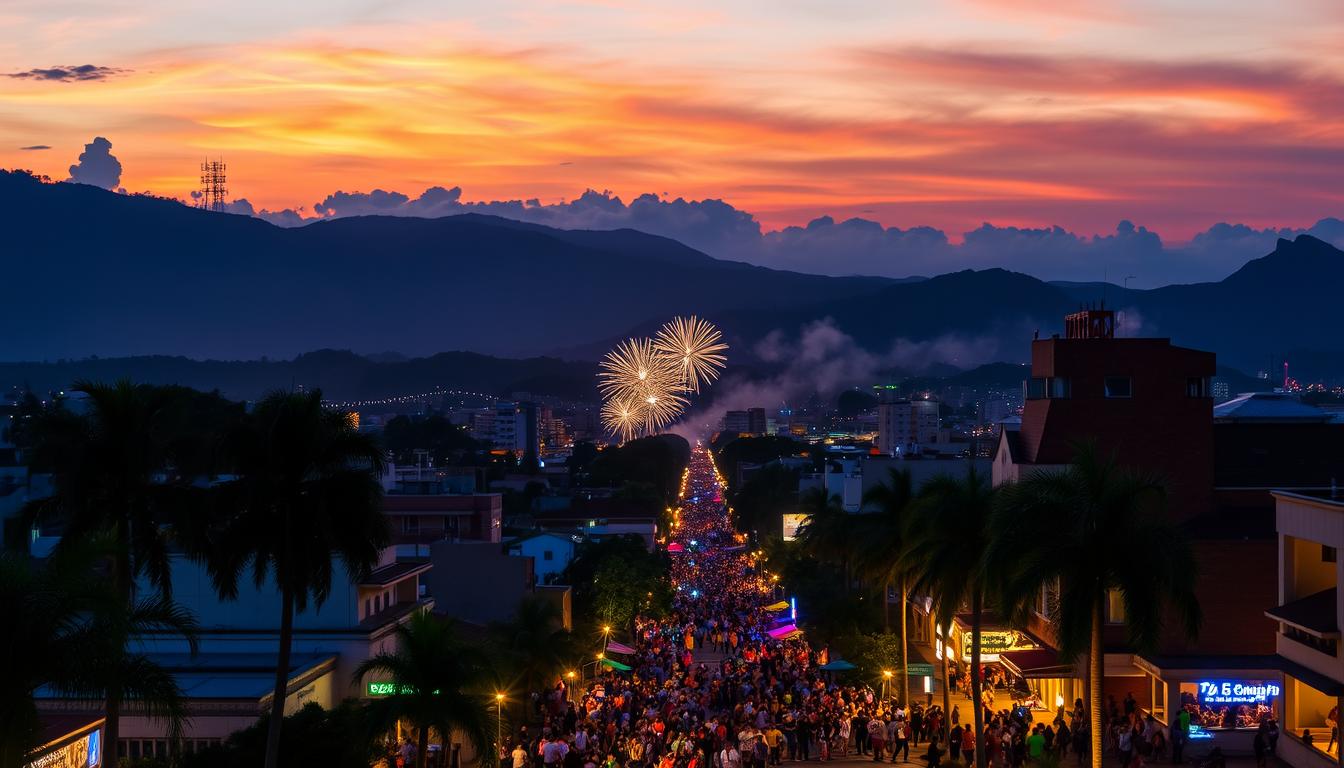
x,y
886,678
570,675
499,726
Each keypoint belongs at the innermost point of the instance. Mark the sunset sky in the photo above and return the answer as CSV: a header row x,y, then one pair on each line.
x,y
1175,114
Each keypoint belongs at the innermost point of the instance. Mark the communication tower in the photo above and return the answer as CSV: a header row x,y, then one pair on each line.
x,y
214,195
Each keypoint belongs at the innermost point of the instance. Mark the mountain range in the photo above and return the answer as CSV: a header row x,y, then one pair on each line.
x,y
91,272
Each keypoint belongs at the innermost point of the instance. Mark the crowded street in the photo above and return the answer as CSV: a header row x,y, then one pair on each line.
x,y
727,680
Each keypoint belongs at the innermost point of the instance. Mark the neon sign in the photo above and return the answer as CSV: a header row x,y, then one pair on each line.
x,y
389,688
1233,692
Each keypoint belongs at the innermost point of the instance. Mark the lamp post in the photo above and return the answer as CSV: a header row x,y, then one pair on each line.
x,y
570,677
886,678
499,727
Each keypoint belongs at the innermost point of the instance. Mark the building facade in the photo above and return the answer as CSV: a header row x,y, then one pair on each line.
x,y
905,426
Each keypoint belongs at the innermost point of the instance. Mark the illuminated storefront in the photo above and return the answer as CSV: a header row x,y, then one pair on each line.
x,y
1227,697
71,741
1028,669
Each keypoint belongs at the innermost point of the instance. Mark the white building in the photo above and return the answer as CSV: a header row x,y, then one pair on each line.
x,y
1311,534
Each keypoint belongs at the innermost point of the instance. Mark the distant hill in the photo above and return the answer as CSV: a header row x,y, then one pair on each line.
x,y
108,274
340,375
91,272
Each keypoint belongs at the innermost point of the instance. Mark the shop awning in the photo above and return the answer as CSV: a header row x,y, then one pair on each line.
x,y
1035,663
615,647
616,665
839,665
782,605
785,632
1314,614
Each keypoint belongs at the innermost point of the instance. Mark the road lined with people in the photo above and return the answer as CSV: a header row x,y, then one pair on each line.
x,y
726,680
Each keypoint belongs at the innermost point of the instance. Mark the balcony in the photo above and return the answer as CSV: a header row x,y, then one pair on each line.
x,y
1311,626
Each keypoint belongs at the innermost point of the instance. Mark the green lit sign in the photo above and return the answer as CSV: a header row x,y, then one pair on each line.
x,y
389,688
919,670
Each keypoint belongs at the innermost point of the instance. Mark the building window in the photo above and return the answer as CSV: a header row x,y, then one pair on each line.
x,y
1035,389
548,555
410,524
1196,386
1329,554
1115,606
1119,386
1058,388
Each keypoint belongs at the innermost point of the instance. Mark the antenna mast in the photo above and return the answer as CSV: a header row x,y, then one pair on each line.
x,y
214,193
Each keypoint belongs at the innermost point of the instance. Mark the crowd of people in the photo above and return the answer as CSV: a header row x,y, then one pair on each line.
x,y
709,687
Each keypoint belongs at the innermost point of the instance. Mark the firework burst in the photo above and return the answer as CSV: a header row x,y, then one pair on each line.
x,y
645,382
694,346
633,370
621,418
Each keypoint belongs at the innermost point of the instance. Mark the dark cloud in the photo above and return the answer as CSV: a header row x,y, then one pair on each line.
x,y
97,166
69,74
856,245
35,147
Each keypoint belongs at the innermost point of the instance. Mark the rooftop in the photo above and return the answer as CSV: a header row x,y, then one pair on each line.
x,y
392,573
1268,406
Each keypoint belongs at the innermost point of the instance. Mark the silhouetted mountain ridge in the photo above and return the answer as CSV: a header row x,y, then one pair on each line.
x,y
92,272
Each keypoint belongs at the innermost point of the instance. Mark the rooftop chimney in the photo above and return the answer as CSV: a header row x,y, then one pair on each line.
x,y
1090,323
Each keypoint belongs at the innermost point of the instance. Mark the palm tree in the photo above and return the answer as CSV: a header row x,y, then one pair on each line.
x,y
534,645
305,493
951,535
883,552
828,531
438,682
71,630
122,474
1092,528
114,671
44,629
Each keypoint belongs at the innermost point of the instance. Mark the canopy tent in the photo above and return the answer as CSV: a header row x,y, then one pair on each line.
x,y
616,665
839,665
613,646
675,547
790,635
782,605
785,632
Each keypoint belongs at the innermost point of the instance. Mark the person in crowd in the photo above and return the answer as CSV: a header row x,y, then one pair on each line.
x,y
900,744
877,736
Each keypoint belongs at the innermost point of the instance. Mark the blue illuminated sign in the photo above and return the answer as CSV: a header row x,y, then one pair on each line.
x,y
1237,692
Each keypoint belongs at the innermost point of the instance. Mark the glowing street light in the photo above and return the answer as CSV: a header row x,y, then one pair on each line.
x,y
499,726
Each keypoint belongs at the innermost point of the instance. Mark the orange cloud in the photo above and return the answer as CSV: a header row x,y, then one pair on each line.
x,y
921,133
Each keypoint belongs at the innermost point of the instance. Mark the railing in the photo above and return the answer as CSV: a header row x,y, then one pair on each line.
x,y
1328,646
